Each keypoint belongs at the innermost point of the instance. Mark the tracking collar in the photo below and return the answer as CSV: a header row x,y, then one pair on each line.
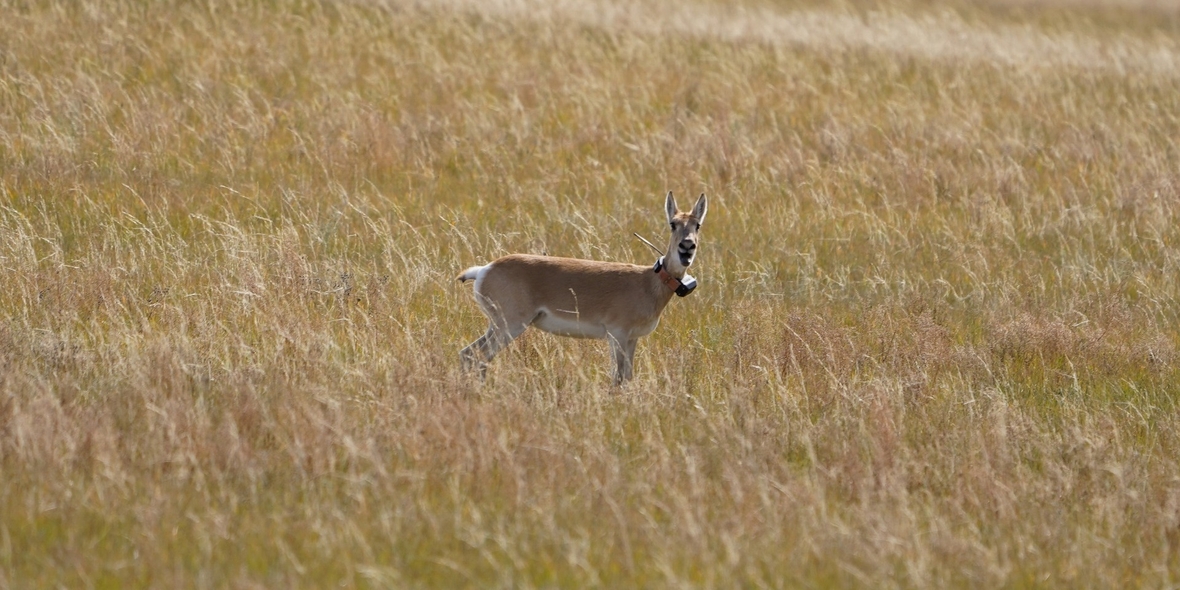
x,y
682,287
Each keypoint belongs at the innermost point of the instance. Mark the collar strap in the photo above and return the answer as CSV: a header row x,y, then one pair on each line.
x,y
682,287
670,281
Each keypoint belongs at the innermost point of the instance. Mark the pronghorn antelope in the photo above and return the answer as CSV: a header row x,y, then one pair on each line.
x,y
583,298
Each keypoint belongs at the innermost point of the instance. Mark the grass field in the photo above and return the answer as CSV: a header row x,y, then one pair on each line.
x,y
935,344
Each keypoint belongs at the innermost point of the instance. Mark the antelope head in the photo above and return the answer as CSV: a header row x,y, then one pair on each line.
x,y
682,245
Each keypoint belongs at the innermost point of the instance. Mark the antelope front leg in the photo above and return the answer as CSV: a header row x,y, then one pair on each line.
x,y
629,358
624,355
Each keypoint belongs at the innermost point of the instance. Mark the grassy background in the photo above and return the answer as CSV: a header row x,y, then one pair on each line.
x,y
935,342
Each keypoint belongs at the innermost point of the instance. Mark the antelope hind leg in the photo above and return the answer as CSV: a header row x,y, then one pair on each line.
x,y
478,354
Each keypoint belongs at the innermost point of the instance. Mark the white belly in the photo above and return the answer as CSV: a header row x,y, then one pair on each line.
x,y
563,326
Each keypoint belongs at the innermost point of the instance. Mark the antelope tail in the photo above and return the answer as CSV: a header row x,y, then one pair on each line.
x,y
470,274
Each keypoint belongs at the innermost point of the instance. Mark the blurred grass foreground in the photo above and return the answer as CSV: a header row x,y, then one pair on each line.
x,y
935,342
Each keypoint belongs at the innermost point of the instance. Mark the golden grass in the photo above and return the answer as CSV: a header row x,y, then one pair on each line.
x,y
935,342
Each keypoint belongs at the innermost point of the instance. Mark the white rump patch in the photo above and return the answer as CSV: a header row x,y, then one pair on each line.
x,y
476,273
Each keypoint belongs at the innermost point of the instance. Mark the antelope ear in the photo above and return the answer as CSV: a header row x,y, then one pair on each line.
x,y
670,207
700,209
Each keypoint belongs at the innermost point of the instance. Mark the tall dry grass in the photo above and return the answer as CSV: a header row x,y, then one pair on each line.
x,y
935,343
